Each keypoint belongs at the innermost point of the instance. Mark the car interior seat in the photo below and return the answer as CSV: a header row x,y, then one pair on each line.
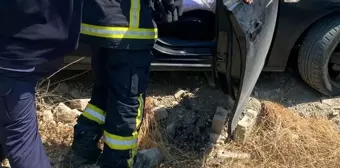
x,y
193,25
192,35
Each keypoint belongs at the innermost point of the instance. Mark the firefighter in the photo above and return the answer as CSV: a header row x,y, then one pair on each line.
x,y
121,35
33,35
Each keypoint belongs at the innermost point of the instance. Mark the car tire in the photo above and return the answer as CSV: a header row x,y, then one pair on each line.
x,y
314,55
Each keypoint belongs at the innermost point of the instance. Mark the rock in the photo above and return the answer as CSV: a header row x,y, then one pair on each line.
x,y
219,120
254,104
216,138
47,116
179,94
79,104
335,110
156,102
232,155
148,158
327,101
174,103
76,112
160,113
245,125
319,106
65,114
62,88
5,164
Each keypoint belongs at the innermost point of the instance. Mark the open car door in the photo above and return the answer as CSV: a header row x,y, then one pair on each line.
x,y
244,36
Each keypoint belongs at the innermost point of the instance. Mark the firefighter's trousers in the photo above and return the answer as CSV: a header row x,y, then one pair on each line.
x,y
19,135
116,107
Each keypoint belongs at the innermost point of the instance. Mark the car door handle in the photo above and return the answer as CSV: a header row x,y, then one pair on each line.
x,y
255,30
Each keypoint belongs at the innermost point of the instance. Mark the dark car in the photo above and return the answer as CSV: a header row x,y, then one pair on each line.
x,y
239,41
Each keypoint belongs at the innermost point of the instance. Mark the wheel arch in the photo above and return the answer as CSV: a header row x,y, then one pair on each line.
x,y
293,55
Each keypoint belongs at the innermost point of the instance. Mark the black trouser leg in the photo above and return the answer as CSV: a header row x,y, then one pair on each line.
x,y
128,73
88,130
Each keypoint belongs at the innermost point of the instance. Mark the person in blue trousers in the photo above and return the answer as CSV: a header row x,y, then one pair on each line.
x,y
34,35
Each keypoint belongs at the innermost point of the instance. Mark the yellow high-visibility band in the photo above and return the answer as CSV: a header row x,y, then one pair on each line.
x,y
134,14
119,32
119,142
133,154
139,111
94,113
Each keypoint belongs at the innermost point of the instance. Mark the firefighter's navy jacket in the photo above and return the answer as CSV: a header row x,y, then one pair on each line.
x,y
33,32
118,24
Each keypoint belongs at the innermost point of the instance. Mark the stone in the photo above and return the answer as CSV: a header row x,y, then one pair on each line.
x,y
336,110
245,125
218,139
5,164
179,94
160,113
65,114
326,101
254,104
148,158
156,102
79,104
174,103
227,155
47,116
219,120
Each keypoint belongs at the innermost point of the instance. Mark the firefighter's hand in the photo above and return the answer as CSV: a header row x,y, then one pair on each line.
x,y
172,9
248,1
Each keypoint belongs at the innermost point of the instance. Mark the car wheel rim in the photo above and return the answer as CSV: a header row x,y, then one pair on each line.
x,y
334,68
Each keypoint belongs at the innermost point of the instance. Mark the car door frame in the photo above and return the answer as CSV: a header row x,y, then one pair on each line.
x,y
244,36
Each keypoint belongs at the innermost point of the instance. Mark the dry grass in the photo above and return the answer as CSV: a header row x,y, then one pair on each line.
x,y
150,134
283,139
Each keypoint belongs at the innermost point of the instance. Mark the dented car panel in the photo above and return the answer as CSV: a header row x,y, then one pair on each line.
x,y
245,33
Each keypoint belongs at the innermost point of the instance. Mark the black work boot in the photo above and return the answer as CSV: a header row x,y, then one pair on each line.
x,y
84,150
115,158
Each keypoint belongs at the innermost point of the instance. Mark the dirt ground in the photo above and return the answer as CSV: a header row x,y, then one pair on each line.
x,y
188,124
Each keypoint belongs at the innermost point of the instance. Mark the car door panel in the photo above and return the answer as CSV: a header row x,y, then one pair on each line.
x,y
245,33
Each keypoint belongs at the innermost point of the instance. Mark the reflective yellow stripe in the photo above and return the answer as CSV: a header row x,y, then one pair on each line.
x,y
120,143
134,13
140,111
94,113
133,154
118,32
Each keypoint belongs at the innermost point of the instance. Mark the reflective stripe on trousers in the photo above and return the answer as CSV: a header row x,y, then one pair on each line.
x,y
113,141
94,113
131,32
97,115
